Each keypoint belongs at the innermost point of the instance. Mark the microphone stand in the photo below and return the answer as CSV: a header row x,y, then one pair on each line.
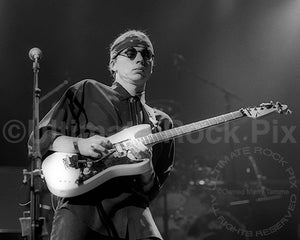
x,y
54,90
258,175
177,62
228,95
35,158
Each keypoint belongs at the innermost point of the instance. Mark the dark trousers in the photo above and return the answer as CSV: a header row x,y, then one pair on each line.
x,y
66,226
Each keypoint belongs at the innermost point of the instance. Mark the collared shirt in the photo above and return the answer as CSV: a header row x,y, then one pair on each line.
x,y
88,108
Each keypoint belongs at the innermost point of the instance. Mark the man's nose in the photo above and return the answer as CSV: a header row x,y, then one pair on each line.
x,y
139,58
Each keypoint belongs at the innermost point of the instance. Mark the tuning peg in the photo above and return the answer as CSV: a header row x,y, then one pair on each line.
x,y
266,105
282,108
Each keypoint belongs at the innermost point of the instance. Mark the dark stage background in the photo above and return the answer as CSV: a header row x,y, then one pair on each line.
x,y
211,57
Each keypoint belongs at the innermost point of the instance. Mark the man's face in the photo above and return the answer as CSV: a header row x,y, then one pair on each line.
x,y
134,65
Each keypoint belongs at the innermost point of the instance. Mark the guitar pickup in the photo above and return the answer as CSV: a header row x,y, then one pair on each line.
x,y
120,150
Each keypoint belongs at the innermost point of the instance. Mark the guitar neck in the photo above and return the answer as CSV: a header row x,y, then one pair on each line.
x,y
158,137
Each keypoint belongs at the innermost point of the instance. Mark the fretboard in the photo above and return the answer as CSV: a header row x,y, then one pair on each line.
x,y
154,138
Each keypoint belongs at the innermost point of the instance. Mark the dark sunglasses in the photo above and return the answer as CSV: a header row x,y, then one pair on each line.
x,y
132,52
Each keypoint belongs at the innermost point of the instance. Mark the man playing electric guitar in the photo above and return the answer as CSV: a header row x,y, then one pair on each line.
x,y
82,122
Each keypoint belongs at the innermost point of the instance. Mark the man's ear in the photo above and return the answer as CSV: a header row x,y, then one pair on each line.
x,y
113,65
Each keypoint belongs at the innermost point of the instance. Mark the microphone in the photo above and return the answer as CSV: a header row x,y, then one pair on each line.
x,y
35,54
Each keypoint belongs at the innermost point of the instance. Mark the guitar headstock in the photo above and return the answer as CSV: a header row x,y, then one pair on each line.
x,y
266,108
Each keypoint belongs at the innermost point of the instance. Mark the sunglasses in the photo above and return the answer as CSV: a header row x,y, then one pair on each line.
x,y
132,52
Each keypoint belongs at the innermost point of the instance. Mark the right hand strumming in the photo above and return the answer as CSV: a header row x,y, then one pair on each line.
x,y
95,146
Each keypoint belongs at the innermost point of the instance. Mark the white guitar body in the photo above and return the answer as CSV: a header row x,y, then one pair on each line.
x,y
62,179
67,176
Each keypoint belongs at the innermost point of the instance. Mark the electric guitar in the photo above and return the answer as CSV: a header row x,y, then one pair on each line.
x,y
69,175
